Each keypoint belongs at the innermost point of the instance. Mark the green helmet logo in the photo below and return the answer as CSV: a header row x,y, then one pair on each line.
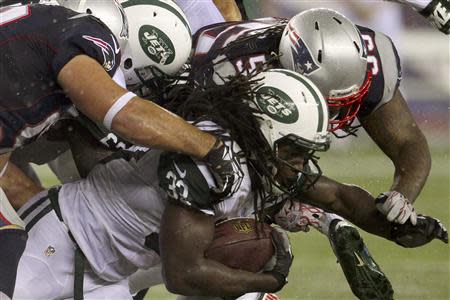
x,y
277,105
156,44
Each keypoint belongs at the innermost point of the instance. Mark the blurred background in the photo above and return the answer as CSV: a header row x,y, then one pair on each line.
x,y
421,273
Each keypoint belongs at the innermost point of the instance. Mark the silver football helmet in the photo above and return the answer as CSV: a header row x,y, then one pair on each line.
x,y
327,47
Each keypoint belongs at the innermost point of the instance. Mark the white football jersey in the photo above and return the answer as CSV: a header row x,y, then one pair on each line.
x,y
119,206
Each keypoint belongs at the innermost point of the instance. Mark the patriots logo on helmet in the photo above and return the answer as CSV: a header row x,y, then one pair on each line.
x,y
303,60
108,52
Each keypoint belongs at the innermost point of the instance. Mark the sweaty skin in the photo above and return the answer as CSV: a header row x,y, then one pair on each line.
x,y
394,130
93,91
184,236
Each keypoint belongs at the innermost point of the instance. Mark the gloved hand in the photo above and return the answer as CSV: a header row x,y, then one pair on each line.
x,y
224,167
295,216
283,257
396,207
426,230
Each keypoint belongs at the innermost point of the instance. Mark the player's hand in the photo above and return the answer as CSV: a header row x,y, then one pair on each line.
x,y
295,216
283,257
224,167
396,207
426,230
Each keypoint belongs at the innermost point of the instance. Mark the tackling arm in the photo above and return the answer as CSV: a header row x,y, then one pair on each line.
x,y
142,122
395,131
358,206
349,201
184,236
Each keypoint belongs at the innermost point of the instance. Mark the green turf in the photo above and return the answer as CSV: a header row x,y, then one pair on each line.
x,y
421,273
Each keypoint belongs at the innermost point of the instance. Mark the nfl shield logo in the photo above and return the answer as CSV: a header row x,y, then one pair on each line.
x,y
304,63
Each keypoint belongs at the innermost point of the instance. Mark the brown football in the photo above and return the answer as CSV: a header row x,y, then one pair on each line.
x,y
242,243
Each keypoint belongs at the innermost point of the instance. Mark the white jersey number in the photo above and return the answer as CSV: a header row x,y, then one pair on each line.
x,y
371,59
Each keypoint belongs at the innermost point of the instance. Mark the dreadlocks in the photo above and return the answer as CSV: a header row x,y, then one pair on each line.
x,y
228,104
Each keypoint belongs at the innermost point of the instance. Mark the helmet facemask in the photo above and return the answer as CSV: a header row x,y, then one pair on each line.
x,y
297,169
346,108
294,122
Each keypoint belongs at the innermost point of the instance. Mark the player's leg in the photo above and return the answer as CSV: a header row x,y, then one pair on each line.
x,y
98,289
12,244
142,280
249,296
47,264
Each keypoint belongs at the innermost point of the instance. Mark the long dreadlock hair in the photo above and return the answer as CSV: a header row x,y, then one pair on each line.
x,y
229,105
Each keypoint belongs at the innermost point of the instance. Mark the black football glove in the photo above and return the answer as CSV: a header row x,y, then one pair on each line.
x,y
426,230
224,167
283,256
438,13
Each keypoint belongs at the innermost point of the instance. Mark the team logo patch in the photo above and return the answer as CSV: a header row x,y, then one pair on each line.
x,y
156,44
108,51
303,60
277,105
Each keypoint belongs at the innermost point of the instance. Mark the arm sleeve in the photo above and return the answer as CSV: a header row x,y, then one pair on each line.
x,y
385,63
87,35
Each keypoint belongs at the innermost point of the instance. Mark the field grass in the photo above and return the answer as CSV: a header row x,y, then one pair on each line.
x,y
421,273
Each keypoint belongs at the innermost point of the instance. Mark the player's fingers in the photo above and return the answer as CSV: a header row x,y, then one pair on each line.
x,y
405,213
393,212
413,217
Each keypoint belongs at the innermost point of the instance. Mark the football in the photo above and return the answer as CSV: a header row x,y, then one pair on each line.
x,y
242,243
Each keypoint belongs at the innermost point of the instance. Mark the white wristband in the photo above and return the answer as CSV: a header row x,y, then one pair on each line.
x,y
116,107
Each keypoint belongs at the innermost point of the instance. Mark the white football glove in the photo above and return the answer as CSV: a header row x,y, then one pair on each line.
x,y
396,207
296,216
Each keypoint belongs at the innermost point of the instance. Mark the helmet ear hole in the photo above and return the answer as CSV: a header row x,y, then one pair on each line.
x,y
89,11
155,14
128,63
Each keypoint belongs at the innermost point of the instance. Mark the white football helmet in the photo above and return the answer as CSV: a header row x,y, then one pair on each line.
x,y
160,36
327,47
109,12
292,108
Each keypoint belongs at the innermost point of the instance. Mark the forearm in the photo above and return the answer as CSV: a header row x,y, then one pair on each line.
x,y
412,166
17,186
393,128
210,278
147,124
229,10
141,121
351,202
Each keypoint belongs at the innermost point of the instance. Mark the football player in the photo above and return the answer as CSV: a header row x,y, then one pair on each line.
x,y
54,59
130,215
357,69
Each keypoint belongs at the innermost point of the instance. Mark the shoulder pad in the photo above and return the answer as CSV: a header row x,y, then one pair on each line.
x,y
182,180
383,58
